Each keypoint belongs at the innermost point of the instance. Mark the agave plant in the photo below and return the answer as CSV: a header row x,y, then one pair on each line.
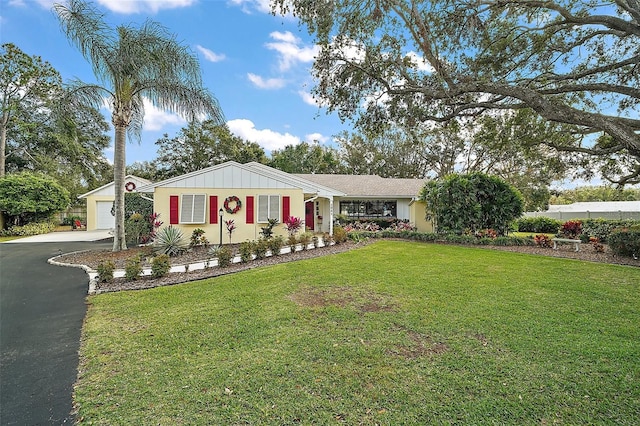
x,y
170,241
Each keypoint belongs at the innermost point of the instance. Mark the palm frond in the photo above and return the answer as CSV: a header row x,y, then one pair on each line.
x,y
83,25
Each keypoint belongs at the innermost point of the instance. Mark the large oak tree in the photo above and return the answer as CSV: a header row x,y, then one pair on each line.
x,y
572,62
131,64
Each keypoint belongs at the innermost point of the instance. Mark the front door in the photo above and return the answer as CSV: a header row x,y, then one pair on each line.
x,y
308,215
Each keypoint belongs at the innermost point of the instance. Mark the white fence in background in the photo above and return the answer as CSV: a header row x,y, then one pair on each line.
x,y
619,215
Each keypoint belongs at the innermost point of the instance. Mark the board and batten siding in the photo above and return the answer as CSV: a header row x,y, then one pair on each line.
x,y
228,178
167,202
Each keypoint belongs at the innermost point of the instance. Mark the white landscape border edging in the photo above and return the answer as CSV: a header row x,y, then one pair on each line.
x,y
209,263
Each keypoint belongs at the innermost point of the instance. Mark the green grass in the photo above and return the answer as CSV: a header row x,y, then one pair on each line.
x,y
392,333
530,234
9,238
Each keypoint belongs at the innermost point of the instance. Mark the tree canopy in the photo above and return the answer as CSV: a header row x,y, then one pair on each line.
x,y
27,197
27,84
573,62
471,202
306,158
201,145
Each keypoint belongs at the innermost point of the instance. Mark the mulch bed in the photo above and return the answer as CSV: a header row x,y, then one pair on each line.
x,y
94,257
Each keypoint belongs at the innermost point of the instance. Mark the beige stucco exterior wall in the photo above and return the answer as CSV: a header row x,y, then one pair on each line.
x,y
418,217
243,230
92,214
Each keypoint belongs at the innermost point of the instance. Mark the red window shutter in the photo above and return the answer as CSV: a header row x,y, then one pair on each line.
x,y
249,209
213,209
173,209
286,207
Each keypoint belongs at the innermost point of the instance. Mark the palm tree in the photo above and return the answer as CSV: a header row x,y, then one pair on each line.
x,y
132,64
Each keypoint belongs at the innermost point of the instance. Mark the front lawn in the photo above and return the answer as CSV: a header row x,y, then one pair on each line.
x,y
392,333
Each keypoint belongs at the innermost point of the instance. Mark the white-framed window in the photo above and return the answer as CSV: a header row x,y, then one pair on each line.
x,y
268,208
193,208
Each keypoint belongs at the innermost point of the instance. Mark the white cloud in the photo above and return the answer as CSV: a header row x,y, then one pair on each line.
x,y
140,6
249,5
209,55
269,83
420,62
316,137
267,138
291,50
156,119
308,99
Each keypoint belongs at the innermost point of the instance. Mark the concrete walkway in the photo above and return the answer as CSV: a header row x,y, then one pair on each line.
x,y
42,309
65,236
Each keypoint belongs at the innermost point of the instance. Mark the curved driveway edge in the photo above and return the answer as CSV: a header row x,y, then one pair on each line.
x,y
42,309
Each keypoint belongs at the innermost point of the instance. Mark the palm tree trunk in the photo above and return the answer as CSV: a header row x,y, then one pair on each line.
x,y
119,241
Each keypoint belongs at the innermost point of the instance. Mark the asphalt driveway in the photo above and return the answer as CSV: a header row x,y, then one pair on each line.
x,y
42,308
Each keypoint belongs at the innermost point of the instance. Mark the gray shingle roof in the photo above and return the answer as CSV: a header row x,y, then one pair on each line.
x,y
368,185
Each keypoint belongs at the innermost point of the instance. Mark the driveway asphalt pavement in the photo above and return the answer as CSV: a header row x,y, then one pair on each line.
x,y
42,308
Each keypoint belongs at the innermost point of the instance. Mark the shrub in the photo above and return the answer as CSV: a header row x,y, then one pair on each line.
x,y
224,256
292,241
327,239
275,245
542,240
571,229
293,224
169,241
625,242
260,248
30,197
160,266
267,231
105,271
339,235
134,227
487,233
597,245
305,240
133,268
541,224
34,228
246,251
198,238
471,202
602,228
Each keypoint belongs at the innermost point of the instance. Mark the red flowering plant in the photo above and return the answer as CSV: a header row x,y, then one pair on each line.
x,y
542,240
571,229
293,224
231,226
487,233
597,245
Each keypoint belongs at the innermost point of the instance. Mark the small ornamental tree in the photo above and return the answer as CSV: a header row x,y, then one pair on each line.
x,y
472,202
28,197
293,224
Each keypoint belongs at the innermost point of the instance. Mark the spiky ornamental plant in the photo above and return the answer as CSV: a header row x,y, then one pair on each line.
x,y
131,65
170,241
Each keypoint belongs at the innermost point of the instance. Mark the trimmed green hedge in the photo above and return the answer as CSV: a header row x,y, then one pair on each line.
x,y
625,242
602,228
443,238
541,225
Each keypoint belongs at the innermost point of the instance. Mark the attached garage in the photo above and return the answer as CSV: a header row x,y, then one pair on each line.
x,y
100,202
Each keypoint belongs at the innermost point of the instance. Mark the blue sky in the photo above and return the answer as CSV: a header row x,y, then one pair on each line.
x,y
256,64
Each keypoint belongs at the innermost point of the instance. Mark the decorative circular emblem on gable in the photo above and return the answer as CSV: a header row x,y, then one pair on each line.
x,y
129,186
227,204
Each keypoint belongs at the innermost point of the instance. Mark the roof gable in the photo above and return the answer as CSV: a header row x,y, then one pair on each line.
x,y
239,176
109,188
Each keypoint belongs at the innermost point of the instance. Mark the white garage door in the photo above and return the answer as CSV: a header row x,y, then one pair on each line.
x,y
104,219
